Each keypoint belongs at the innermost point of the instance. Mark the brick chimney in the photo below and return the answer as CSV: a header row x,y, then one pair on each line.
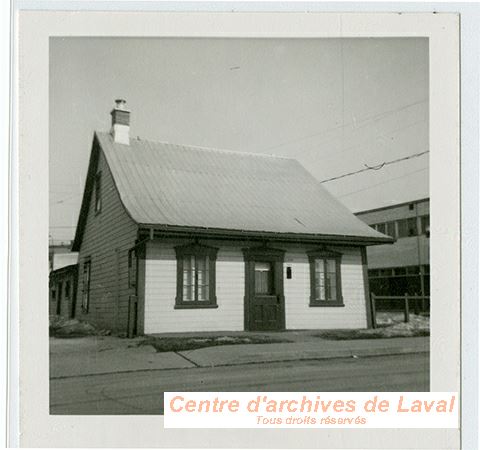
x,y
120,122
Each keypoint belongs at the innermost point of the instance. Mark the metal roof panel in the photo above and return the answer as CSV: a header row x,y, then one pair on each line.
x,y
178,185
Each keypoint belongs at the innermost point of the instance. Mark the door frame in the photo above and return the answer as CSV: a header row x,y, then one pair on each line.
x,y
267,254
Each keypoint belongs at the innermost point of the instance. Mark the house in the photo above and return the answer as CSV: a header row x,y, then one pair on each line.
x,y
63,267
63,287
404,267
174,238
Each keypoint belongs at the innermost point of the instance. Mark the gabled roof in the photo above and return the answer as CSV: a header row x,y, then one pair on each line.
x,y
166,185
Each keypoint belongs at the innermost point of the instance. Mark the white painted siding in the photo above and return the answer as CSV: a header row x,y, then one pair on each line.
x,y
160,292
299,315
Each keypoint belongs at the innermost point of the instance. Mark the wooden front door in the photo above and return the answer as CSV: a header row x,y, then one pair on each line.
x,y
264,299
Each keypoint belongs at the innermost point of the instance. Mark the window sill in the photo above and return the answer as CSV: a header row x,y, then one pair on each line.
x,y
327,304
196,306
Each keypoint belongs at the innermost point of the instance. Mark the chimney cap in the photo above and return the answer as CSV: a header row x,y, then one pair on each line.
x,y
120,103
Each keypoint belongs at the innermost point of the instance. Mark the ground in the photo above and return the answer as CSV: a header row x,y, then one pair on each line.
x,y
142,392
110,375
389,325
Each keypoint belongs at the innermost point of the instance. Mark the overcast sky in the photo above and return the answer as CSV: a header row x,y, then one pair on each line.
x,y
336,105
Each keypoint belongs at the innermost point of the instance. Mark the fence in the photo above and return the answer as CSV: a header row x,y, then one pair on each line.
x,y
402,301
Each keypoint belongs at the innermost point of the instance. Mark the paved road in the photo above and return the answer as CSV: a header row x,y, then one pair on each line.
x,y
142,392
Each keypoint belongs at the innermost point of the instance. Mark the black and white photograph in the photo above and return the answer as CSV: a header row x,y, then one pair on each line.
x,y
236,214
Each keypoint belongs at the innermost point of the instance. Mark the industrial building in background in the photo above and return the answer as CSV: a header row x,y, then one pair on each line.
x,y
404,267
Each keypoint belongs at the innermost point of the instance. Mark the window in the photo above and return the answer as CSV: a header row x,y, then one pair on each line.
x,y
263,278
325,279
425,224
196,276
412,226
407,227
132,268
385,272
390,229
381,227
67,289
387,228
86,286
413,270
98,192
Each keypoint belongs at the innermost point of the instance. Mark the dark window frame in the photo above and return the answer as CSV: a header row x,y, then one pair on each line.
x,y
325,255
98,192
87,266
196,250
132,268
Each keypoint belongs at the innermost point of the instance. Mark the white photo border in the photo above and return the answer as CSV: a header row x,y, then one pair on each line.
x,y
34,29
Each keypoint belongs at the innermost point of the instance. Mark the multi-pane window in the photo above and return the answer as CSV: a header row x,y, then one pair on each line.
x,y
387,228
407,227
196,276
390,229
391,272
325,279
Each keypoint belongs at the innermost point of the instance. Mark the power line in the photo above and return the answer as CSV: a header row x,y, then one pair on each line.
x,y
376,167
383,182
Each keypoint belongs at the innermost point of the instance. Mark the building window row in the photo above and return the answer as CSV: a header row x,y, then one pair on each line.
x,y
196,274
414,226
390,272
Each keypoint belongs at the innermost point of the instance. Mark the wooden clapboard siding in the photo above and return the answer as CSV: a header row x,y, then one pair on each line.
x,y
297,293
160,292
107,237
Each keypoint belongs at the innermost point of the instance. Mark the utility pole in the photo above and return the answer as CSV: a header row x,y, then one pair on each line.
x,y
420,266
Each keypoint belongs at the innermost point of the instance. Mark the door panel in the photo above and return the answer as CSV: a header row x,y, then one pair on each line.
x,y
264,288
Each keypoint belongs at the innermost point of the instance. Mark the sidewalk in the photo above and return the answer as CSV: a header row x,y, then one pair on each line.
x,y
319,349
99,355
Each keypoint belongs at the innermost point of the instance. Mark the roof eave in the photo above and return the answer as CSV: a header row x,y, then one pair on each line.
x,y
82,217
219,233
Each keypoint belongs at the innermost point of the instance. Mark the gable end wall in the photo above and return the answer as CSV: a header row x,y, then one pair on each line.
x,y
107,238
